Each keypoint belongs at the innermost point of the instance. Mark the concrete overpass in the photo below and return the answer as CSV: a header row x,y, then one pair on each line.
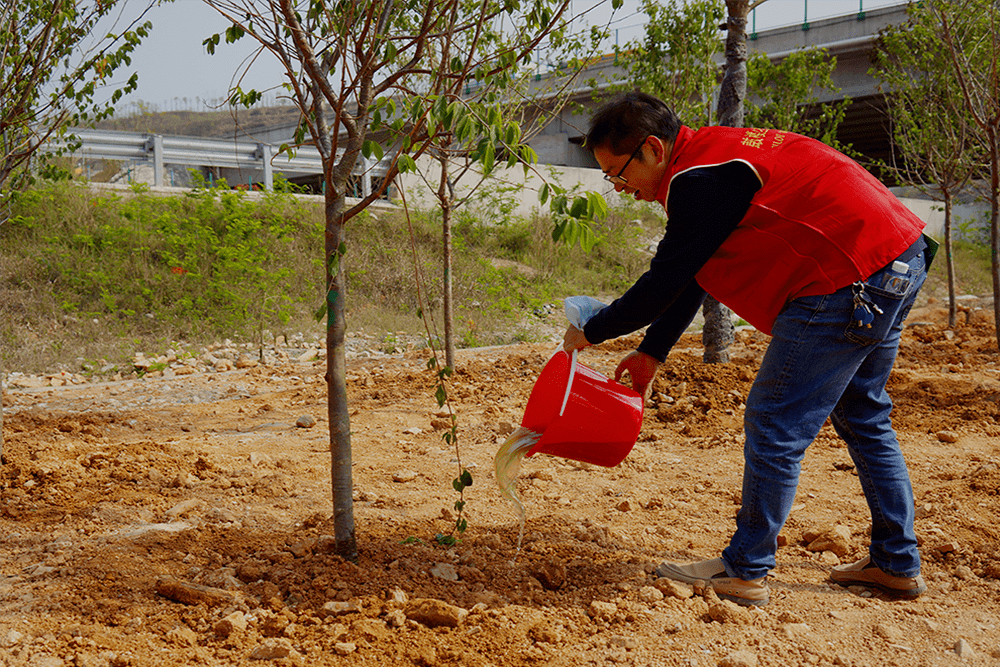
x,y
849,37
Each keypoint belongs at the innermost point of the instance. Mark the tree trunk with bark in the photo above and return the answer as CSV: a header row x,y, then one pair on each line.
x,y
718,333
444,197
336,381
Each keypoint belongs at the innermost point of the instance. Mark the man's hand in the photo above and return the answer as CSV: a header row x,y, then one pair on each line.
x,y
642,369
574,339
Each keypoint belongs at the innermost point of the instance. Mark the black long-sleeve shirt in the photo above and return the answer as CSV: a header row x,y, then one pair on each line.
x,y
704,207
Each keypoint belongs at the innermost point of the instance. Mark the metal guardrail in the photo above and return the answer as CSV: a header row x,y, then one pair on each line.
x,y
160,150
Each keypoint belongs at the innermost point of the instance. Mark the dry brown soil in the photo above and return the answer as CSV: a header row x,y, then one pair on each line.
x,y
187,521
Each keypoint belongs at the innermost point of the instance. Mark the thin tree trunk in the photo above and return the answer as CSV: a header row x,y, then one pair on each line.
x,y
1,421
4,216
336,379
718,333
994,140
444,196
949,260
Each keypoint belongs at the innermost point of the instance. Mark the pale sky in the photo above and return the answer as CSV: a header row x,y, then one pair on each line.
x,y
175,72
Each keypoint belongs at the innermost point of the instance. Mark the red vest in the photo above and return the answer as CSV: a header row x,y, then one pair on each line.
x,y
819,222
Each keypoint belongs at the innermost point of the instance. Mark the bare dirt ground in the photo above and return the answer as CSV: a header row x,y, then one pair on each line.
x,y
186,521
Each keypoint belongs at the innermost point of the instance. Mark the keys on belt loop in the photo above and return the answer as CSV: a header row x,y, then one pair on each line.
x,y
863,307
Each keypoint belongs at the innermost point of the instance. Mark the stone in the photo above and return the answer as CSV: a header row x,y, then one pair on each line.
x,y
444,571
403,476
183,636
302,548
338,608
11,639
724,611
435,613
964,650
187,593
308,355
371,629
397,595
245,361
947,547
739,659
650,594
836,539
627,643
547,632
273,649
674,589
395,618
344,648
947,436
234,622
551,574
305,421
602,610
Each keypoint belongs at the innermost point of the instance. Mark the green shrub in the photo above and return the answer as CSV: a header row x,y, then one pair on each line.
x,y
108,272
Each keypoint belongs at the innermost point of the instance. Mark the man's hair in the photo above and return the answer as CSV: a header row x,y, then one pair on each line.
x,y
625,122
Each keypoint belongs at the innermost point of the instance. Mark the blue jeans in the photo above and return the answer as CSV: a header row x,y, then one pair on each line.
x,y
820,364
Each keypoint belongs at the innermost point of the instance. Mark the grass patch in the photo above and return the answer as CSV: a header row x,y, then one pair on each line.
x,y
973,274
89,278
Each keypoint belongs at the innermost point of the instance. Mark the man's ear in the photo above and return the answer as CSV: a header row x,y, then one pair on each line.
x,y
661,148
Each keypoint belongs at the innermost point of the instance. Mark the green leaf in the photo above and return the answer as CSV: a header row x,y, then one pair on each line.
x,y
321,313
234,33
210,44
441,395
488,157
406,164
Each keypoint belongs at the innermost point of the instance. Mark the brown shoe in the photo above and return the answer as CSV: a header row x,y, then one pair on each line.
x,y
866,573
713,573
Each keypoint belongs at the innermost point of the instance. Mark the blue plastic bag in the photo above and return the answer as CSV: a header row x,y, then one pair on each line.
x,y
579,309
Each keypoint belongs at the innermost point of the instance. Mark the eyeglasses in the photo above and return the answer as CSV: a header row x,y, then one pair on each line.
x,y
618,179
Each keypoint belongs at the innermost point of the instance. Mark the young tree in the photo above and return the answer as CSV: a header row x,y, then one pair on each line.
x,y
47,82
970,30
674,59
528,102
358,72
931,126
50,79
785,95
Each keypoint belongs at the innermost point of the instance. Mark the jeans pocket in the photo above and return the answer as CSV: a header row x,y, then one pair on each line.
x,y
887,290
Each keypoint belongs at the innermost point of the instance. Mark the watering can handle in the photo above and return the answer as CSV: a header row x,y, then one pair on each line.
x,y
569,382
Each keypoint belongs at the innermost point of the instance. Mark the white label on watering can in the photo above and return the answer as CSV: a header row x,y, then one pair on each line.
x,y
569,383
